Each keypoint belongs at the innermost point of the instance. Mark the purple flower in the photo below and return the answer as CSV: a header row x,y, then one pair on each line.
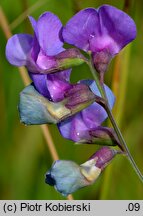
x,y
79,126
52,86
38,52
103,31
98,29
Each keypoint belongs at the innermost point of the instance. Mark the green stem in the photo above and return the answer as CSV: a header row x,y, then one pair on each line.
x,y
117,130
91,66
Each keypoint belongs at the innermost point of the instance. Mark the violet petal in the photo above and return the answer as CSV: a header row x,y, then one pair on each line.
x,y
48,33
52,86
40,83
78,126
34,25
118,25
45,62
81,27
18,48
36,46
95,30
94,115
57,84
117,30
74,128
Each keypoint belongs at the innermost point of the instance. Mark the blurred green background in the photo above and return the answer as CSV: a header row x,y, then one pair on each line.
x,y
24,155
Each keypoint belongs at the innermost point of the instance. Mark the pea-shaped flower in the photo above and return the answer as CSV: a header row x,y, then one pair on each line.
x,y
37,109
81,126
67,176
37,52
81,98
103,31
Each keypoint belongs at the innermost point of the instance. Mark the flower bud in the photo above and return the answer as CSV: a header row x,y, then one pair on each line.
x,y
67,176
104,156
36,109
101,60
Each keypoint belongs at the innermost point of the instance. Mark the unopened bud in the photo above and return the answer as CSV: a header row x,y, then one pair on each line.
x,y
101,60
104,156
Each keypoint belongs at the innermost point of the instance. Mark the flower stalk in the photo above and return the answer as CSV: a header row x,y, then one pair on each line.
x,y
123,146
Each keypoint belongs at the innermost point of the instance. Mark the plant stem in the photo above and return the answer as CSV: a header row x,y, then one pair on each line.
x,y
94,73
117,130
123,143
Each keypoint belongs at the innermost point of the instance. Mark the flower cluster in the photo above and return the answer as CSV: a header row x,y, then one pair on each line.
x,y
77,109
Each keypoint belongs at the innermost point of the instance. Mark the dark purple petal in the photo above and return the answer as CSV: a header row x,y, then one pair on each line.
x,y
18,48
78,126
40,83
57,84
65,75
107,28
45,62
81,28
79,96
48,33
52,86
35,49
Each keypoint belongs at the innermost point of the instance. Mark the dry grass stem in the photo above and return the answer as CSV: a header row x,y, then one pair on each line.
x,y
24,15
